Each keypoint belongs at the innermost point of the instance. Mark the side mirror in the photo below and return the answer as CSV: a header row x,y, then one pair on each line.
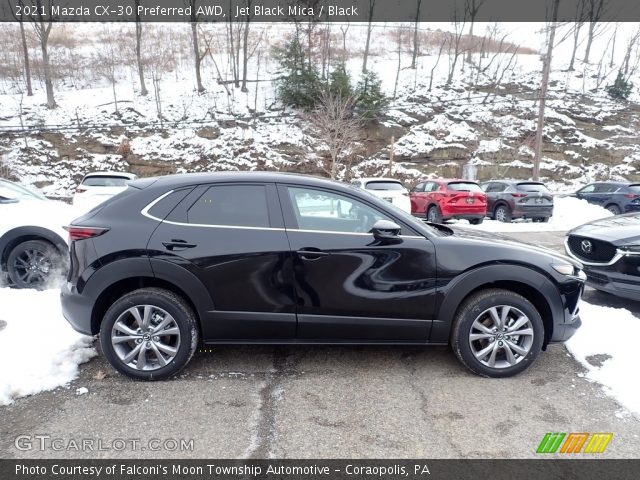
x,y
385,230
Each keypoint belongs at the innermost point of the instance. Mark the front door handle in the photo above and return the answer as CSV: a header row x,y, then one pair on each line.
x,y
177,244
311,253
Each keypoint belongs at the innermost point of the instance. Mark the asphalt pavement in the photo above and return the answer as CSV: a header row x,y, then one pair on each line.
x,y
321,402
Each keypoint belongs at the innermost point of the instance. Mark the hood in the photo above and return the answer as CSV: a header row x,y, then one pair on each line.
x,y
618,230
499,240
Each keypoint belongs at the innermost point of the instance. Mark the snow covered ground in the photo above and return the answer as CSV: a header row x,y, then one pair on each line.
x,y
38,349
568,212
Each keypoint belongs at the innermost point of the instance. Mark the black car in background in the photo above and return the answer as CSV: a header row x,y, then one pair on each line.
x,y
617,197
251,257
609,249
510,199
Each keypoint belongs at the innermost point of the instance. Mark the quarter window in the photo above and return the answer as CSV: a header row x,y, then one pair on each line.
x,y
231,205
332,212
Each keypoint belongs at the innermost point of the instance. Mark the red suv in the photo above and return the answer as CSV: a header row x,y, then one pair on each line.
x,y
442,199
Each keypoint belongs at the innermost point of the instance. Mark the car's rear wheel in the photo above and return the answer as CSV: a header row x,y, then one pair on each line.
x,y
502,213
433,214
497,333
150,334
34,264
614,209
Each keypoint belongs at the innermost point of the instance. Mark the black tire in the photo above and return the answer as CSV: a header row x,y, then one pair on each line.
x,y
541,219
474,307
502,213
34,264
613,208
476,221
160,299
433,214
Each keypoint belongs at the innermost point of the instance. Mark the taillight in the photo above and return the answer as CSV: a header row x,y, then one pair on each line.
x,y
518,195
631,195
82,233
80,189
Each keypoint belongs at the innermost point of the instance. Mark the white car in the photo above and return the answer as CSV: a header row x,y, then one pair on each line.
x,y
33,249
388,189
97,187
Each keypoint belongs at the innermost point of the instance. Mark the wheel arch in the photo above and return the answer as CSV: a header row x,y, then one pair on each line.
x,y
18,235
525,281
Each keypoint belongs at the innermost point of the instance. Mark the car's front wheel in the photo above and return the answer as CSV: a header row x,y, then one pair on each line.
x,y
149,334
34,264
497,333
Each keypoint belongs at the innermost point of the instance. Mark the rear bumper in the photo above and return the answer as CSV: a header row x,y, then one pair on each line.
x,y
464,212
532,212
632,207
473,216
76,309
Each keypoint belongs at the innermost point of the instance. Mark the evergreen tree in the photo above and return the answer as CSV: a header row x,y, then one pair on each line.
x,y
340,82
371,101
299,83
621,88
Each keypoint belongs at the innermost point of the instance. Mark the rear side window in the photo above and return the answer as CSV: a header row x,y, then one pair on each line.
x,y
634,188
418,188
383,185
105,181
163,207
231,205
532,187
464,186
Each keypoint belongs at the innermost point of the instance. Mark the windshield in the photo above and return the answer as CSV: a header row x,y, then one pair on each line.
x,y
10,190
532,187
464,187
384,185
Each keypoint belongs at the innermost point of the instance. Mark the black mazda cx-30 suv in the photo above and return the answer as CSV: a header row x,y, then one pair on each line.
x,y
275,258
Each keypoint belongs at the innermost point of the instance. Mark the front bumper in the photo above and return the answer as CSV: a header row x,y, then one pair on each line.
x,y
569,322
76,309
611,281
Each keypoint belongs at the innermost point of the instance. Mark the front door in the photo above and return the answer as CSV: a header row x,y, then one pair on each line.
x,y
349,286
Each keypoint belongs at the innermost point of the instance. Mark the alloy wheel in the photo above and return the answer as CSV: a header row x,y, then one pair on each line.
x,y
32,267
501,336
145,337
501,214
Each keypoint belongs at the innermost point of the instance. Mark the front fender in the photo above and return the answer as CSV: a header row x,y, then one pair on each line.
x,y
454,293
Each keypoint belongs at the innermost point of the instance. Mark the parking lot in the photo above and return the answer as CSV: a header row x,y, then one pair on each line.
x,y
333,402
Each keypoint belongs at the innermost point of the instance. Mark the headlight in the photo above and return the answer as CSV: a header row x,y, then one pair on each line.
x,y
630,250
564,268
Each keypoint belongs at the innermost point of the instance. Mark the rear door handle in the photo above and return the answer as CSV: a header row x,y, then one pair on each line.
x,y
311,253
177,244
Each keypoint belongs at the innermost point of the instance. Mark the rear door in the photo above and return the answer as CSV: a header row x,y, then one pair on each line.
x,y
231,237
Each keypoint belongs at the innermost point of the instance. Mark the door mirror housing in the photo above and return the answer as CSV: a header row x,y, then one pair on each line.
x,y
385,230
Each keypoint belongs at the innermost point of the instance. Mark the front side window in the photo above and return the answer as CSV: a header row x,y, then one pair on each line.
x,y
588,189
331,212
231,205
418,188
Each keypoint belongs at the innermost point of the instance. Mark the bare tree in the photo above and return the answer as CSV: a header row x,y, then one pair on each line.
x,y
455,46
445,42
42,26
631,45
197,56
337,126
245,44
415,34
398,36
372,6
546,68
613,46
107,59
344,29
161,59
579,22
143,87
472,7
25,48
595,12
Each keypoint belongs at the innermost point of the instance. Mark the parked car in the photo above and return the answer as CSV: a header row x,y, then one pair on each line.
x,y
617,197
32,246
389,189
510,199
254,257
442,199
609,249
97,187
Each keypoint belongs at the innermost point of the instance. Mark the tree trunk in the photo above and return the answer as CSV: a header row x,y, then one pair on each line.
x,y
395,85
471,42
372,4
576,36
415,35
115,99
546,68
587,50
197,57
27,66
44,39
245,54
143,87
